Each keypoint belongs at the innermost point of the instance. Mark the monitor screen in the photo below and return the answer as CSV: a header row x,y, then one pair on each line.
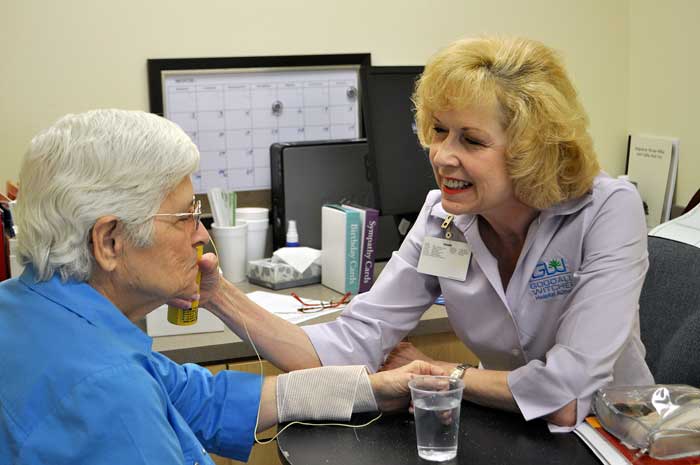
x,y
399,166
306,175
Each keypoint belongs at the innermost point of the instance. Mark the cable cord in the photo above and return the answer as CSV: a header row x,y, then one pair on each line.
x,y
262,380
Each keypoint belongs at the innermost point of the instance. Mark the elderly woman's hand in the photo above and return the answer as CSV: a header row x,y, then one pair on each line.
x,y
209,284
211,277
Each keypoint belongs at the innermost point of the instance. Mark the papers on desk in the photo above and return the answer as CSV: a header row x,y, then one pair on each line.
x,y
606,452
685,228
287,307
611,451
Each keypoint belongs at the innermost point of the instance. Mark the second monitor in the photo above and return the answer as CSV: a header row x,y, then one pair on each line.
x,y
307,175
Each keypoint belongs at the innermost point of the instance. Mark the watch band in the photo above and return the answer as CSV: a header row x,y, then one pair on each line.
x,y
459,370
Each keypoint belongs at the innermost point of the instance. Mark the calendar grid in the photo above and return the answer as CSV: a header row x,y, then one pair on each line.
x,y
233,118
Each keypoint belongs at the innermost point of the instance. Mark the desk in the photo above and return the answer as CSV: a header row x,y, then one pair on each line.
x,y
487,436
225,345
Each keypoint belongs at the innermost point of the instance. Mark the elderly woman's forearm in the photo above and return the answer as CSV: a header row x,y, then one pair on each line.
x,y
283,344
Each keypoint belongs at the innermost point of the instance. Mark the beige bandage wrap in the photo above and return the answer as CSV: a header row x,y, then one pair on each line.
x,y
325,393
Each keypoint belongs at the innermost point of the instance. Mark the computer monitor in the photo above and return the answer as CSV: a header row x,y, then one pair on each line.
x,y
398,165
307,175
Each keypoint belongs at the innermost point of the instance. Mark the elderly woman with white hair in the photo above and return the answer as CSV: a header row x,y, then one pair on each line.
x,y
109,230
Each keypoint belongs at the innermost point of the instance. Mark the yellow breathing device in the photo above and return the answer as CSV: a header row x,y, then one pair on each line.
x,y
187,316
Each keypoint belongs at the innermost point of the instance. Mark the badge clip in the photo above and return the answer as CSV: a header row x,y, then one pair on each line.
x,y
447,226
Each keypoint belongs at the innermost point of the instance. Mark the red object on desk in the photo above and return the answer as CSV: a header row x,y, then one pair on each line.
x,y
4,252
12,190
630,454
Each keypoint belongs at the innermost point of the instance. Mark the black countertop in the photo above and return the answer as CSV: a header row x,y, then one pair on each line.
x,y
487,436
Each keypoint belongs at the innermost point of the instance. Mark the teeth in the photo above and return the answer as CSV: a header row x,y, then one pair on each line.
x,y
456,184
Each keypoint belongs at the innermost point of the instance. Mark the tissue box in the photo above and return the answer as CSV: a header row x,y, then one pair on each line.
x,y
278,275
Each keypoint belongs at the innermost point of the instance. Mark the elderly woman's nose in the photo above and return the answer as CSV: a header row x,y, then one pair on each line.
x,y
201,235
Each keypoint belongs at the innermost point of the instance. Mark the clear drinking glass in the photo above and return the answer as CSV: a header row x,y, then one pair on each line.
x,y
436,403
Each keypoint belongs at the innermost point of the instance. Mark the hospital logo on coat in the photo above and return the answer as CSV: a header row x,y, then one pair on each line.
x,y
551,278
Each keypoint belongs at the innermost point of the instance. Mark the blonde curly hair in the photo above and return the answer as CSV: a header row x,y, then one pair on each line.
x,y
549,155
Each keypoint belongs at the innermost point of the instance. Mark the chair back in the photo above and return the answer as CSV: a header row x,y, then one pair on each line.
x,y
669,312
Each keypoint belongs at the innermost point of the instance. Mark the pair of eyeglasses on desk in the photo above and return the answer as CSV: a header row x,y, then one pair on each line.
x,y
320,306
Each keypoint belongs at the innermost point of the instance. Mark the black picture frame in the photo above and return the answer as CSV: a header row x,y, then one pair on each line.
x,y
156,67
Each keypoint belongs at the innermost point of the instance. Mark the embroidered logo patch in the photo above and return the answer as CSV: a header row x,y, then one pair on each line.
x,y
551,278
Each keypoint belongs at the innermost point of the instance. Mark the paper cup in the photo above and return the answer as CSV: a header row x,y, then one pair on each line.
x,y
231,243
257,238
252,213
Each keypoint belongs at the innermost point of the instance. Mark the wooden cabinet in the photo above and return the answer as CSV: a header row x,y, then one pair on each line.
x,y
444,347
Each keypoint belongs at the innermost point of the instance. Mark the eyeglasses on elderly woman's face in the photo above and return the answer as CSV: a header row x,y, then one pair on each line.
x,y
194,215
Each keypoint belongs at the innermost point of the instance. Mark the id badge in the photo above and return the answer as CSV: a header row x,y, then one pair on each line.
x,y
444,258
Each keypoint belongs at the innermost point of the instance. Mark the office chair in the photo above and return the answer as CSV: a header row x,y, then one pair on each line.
x,y
669,312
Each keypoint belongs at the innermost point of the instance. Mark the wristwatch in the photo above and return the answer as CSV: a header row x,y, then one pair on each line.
x,y
459,370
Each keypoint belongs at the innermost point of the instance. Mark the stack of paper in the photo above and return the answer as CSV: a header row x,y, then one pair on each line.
x,y
604,450
685,228
611,451
287,307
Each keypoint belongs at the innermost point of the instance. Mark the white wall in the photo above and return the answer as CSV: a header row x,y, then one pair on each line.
x,y
664,69
73,55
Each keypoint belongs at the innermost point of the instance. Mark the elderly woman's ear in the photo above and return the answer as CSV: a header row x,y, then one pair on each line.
x,y
107,240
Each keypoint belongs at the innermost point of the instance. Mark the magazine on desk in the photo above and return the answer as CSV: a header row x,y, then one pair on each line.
x,y
611,451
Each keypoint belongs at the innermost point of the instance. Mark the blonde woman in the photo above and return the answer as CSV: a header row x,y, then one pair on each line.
x,y
553,251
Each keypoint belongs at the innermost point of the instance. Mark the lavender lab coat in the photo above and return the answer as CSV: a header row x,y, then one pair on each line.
x,y
566,325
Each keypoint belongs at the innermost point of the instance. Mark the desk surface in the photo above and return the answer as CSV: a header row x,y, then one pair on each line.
x,y
486,436
225,345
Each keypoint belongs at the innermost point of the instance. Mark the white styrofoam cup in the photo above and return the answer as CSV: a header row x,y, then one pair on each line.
x,y
231,244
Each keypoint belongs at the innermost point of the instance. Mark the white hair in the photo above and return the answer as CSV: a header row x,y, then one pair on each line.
x,y
89,165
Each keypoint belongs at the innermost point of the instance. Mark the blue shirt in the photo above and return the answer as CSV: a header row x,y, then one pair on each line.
x,y
79,383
